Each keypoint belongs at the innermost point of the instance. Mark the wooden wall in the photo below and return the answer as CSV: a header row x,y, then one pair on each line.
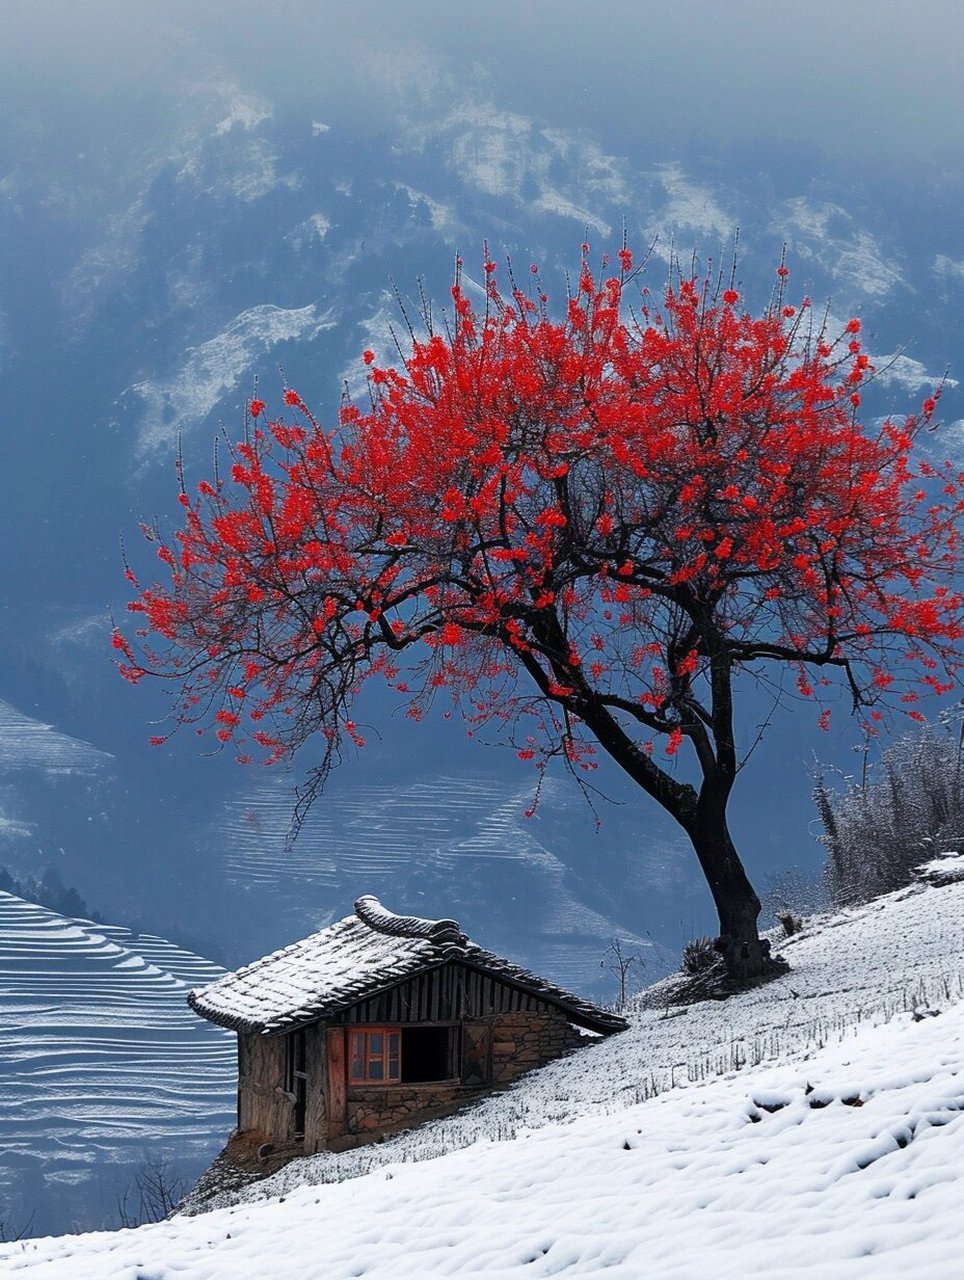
x,y
263,1103
505,1032
316,1113
447,994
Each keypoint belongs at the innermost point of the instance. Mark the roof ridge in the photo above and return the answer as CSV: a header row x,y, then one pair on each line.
x,y
370,912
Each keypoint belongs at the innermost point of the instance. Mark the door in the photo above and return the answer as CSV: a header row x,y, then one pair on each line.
x,y
476,1053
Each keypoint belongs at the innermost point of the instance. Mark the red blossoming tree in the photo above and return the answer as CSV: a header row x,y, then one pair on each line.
x,y
585,528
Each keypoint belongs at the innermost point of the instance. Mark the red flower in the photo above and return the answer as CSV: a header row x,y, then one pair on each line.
x,y
675,739
257,408
368,356
731,297
292,397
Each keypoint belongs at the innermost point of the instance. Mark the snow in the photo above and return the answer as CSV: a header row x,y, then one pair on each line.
x,y
912,375
837,1152
504,154
949,269
101,1062
689,207
26,743
216,368
951,441
357,957
827,234
245,110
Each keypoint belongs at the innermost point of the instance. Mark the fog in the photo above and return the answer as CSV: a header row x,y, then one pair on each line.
x,y
876,80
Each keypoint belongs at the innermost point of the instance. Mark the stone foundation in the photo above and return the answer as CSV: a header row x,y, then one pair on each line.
x,y
517,1043
371,1112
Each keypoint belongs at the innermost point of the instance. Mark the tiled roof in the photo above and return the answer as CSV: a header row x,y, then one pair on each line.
x,y
355,959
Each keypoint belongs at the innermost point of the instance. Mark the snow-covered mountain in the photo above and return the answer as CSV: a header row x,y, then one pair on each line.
x,y
145,299
813,1124
103,1067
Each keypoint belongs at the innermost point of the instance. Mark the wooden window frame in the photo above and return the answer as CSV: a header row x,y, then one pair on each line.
x,y
362,1036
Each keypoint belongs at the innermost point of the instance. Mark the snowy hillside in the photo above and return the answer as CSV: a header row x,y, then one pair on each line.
x,y
814,1126
102,1066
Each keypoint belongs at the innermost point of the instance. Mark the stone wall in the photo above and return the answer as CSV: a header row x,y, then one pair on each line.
x,y
517,1043
522,1041
371,1112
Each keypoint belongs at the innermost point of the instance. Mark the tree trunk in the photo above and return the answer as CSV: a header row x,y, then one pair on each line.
x,y
744,953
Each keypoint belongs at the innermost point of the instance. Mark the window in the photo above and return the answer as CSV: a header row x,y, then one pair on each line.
x,y
397,1055
375,1056
427,1054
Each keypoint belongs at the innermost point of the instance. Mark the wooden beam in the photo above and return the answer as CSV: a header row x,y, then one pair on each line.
x,y
337,1081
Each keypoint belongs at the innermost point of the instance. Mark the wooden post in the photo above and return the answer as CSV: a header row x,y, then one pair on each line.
x,y
337,1082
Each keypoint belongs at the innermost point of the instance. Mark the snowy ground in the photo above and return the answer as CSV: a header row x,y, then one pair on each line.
x,y
812,1127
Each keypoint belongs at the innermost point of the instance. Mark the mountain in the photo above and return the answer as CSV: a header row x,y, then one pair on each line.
x,y
103,1068
815,1122
151,270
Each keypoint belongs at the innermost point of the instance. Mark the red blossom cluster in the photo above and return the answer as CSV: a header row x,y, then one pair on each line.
x,y
594,519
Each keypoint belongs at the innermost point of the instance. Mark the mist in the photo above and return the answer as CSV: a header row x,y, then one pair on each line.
x,y
872,81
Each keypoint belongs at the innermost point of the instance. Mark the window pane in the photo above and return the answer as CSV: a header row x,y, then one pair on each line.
x,y
394,1066
375,1069
357,1050
375,1044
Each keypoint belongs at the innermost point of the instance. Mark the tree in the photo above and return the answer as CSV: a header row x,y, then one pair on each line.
x,y
586,529
879,831
619,963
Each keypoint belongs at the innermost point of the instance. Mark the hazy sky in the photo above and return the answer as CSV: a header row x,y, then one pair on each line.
x,y
877,78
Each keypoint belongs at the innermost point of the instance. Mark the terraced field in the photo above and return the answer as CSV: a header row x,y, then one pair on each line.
x,y
102,1064
453,845
26,743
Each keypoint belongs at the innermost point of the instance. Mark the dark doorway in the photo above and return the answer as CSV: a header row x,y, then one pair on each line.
x,y
297,1081
428,1053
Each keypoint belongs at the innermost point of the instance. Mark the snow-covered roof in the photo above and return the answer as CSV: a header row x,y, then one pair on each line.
x,y
357,958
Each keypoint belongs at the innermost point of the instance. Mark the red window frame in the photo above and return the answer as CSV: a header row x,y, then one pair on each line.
x,y
375,1055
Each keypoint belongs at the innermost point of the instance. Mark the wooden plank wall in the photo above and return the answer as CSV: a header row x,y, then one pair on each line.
x,y
337,1082
316,1060
447,994
263,1103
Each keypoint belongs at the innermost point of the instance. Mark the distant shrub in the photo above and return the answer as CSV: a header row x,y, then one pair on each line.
x,y
909,808
700,956
791,924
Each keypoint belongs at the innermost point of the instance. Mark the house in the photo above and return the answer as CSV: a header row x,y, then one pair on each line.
x,y
380,1021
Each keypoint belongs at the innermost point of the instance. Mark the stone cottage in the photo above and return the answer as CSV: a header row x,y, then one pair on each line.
x,y
380,1021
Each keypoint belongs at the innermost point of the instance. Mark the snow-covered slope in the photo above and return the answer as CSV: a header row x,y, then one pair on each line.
x,y
815,1126
102,1065
26,743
